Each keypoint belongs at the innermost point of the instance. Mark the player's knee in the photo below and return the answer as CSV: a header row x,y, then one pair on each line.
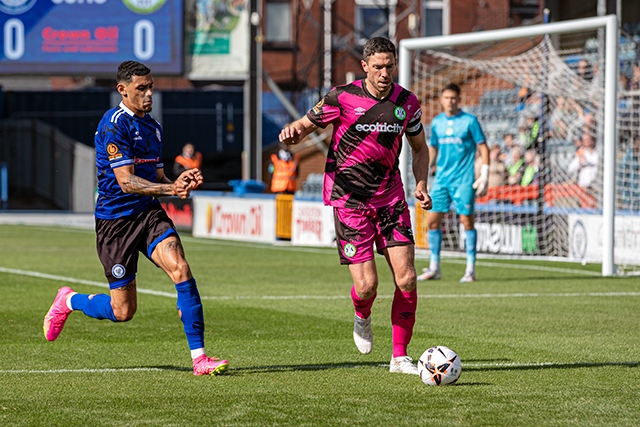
x,y
366,290
124,314
407,280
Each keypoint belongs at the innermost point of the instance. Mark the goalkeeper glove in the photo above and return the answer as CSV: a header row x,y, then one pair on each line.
x,y
482,182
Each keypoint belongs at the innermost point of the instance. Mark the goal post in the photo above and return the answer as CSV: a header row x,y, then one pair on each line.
x,y
441,59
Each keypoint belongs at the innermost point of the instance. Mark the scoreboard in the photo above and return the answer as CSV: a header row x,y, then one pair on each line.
x,y
79,37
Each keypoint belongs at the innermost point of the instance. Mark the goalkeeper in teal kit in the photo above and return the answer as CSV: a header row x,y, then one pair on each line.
x,y
455,137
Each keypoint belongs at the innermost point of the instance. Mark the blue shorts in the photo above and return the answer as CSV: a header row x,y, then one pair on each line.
x,y
462,196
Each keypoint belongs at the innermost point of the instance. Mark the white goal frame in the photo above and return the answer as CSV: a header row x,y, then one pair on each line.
x,y
610,24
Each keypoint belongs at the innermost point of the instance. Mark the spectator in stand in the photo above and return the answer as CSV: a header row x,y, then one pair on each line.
x,y
629,177
584,121
516,168
505,155
634,83
565,112
585,70
284,171
585,163
523,135
531,168
532,123
189,159
497,169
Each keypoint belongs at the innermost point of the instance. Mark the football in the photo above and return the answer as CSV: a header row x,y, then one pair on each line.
x,y
439,365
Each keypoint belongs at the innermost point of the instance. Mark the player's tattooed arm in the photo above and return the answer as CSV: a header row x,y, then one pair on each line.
x,y
135,184
130,183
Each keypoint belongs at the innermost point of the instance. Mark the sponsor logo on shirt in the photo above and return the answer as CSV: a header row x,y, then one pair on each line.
x,y
113,152
318,107
139,161
450,140
379,127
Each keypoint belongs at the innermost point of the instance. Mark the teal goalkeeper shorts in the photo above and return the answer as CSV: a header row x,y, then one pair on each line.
x,y
462,196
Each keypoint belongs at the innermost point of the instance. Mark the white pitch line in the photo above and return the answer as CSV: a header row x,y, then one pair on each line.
x,y
321,297
77,371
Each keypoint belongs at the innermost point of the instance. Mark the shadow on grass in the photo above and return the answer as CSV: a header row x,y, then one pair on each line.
x,y
281,368
472,365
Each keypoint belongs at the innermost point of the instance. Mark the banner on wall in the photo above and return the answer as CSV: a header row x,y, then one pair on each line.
x,y
217,39
312,224
180,211
235,218
586,238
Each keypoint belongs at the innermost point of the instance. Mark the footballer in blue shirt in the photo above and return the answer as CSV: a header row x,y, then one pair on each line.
x,y
130,220
455,137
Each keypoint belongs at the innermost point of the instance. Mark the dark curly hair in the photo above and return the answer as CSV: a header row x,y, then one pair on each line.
x,y
378,45
128,69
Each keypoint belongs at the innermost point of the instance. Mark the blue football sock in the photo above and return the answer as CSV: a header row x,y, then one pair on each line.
x,y
435,244
97,306
192,317
471,237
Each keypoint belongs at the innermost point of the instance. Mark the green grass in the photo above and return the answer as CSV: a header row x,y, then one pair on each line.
x,y
542,344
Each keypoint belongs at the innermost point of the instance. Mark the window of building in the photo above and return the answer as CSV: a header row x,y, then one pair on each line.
x,y
277,28
374,18
432,18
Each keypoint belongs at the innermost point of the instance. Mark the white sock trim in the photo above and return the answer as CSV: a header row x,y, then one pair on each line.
x,y
197,353
69,300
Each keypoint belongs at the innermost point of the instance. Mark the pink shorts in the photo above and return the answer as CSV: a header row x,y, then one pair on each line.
x,y
358,229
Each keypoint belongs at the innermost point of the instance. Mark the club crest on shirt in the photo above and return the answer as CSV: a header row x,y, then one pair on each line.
x,y
400,113
118,271
113,152
349,250
318,107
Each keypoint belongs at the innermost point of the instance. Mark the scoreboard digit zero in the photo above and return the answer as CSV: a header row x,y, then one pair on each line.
x,y
69,37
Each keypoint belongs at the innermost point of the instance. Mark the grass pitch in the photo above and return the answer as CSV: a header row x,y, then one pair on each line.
x,y
542,344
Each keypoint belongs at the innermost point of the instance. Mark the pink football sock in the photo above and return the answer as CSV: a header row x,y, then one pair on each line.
x,y
403,317
362,306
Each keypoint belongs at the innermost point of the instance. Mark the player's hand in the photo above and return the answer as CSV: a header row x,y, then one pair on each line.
x,y
480,186
192,178
187,181
290,135
482,183
423,197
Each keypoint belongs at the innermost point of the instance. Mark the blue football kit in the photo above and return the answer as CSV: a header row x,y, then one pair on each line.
x,y
124,139
456,139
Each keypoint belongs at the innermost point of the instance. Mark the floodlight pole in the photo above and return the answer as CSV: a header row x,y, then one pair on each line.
x,y
252,157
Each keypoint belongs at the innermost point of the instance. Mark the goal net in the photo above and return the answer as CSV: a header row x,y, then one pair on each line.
x,y
565,173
